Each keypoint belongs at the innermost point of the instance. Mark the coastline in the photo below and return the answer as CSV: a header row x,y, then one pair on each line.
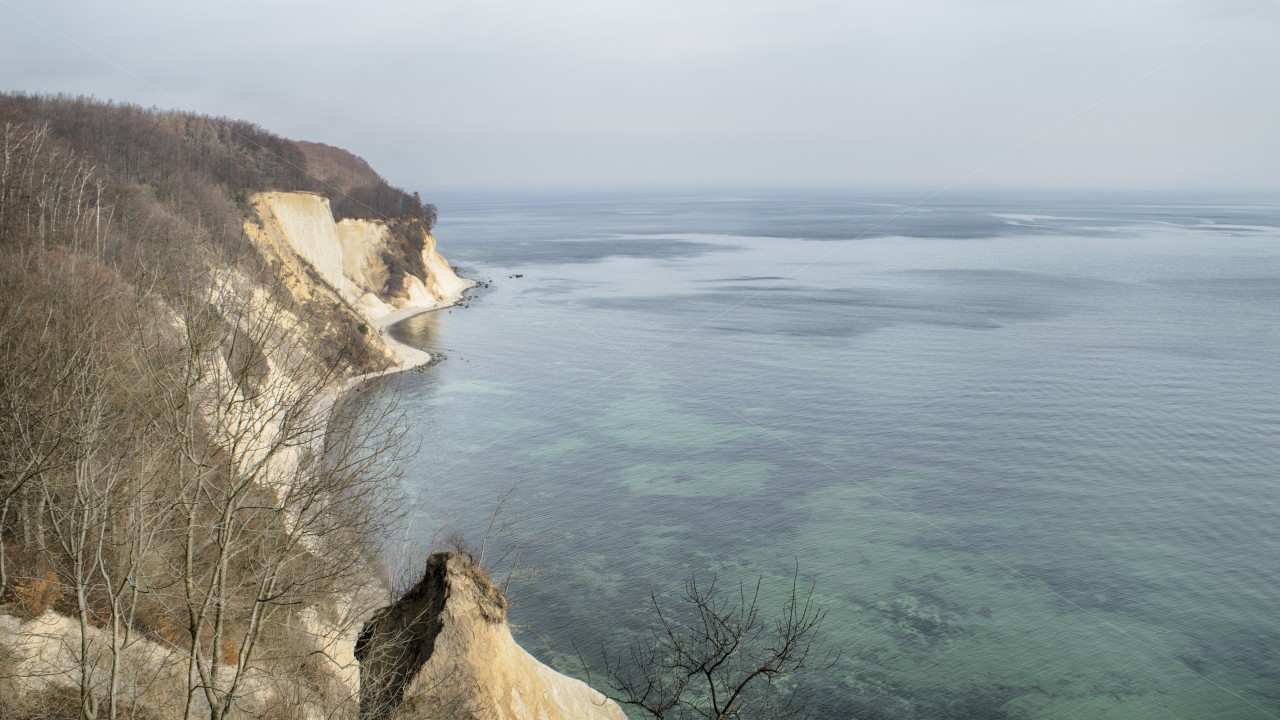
x,y
336,636
406,357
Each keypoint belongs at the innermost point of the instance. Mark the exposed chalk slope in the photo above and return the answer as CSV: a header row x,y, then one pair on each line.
x,y
298,229
446,644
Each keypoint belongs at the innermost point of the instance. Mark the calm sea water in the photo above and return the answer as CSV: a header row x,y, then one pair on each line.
x,y
1028,448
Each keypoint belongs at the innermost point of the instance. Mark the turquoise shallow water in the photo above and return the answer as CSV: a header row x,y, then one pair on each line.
x,y
1026,447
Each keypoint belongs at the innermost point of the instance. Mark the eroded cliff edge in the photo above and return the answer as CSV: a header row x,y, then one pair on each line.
x,y
445,650
354,263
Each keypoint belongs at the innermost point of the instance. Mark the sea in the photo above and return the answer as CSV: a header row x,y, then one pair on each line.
x,y
1022,448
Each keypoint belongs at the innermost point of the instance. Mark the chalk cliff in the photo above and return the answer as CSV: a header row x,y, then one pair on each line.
x,y
353,257
444,649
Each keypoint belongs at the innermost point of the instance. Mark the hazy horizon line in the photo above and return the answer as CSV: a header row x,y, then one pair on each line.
x,y
925,193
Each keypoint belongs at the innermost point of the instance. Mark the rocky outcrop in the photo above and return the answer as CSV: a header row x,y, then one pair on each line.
x,y
352,258
444,650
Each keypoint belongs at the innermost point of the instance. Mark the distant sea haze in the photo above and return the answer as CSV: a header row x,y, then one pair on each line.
x,y
1026,447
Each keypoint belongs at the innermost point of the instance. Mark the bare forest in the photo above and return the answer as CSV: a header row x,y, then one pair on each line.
x,y
178,496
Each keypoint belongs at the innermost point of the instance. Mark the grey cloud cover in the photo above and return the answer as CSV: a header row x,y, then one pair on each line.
x,y
711,93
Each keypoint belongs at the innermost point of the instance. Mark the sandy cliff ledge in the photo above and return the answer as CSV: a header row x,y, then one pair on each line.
x,y
445,650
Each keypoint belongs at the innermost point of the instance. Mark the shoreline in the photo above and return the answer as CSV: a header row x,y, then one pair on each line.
x,y
406,357
337,638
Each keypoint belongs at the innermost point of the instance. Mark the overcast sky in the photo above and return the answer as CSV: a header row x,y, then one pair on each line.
x,y
458,94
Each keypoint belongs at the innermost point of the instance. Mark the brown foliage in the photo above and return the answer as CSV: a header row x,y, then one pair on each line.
x,y
53,703
34,595
336,168
141,434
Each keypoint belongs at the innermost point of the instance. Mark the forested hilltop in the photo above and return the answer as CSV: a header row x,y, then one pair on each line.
x,y
186,529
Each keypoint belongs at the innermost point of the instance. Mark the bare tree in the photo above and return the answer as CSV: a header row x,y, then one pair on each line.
x,y
75,488
500,549
715,657
279,502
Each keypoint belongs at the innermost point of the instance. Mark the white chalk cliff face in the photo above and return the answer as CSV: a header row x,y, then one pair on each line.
x,y
298,229
445,650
